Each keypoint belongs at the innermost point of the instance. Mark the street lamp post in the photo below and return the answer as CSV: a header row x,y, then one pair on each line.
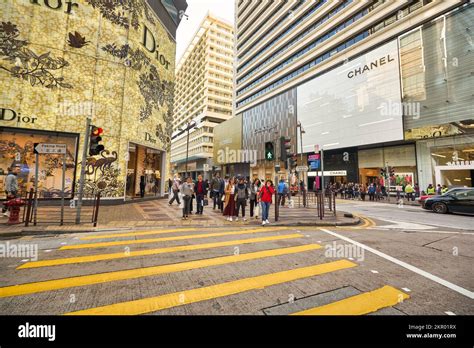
x,y
299,125
189,126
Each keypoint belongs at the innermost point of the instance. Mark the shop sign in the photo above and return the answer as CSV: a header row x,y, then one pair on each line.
x,y
314,157
334,173
302,168
149,138
12,115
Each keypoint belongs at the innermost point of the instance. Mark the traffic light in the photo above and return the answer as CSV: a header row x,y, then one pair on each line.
x,y
392,171
269,151
95,138
285,147
382,172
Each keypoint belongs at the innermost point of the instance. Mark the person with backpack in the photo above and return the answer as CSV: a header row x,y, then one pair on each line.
x,y
254,189
266,194
241,196
215,191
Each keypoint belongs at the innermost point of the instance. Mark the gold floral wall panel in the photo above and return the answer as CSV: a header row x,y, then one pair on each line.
x,y
89,58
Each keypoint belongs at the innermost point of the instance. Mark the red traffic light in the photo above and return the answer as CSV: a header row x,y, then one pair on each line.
x,y
96,131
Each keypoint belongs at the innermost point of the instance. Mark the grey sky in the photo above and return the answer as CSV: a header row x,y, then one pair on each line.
x,y
196,11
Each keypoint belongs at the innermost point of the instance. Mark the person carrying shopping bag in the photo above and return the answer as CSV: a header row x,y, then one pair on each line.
x,y
254,206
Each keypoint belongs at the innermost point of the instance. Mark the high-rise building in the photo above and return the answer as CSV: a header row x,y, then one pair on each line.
x,y
62,62
203,99
374,84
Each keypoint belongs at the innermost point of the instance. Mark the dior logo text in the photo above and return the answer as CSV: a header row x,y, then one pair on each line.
x,y
57,4
11,116
150,44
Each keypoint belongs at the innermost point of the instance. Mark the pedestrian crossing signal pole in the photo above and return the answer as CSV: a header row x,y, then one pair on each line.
x,y
83,170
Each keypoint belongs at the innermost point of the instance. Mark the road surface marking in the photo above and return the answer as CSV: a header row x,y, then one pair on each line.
x,y
157,303
405,225
374,271
361,304
406,289
56,284
138,233
449,313
165,239
102,257
403,264
422,231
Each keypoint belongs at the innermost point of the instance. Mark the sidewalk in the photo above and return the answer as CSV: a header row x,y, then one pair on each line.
x,y
158,213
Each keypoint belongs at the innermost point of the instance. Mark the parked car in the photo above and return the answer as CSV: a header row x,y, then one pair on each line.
x,y
457,200
424,197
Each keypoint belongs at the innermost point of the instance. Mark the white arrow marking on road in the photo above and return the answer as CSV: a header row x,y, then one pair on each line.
x,y
403,264
405,225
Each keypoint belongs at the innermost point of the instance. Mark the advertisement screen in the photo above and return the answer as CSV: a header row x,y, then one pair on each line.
x,y
355,104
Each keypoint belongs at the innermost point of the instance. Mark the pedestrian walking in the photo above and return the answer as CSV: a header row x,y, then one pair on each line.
x,y
222,185
215,191
266,194
254,190
229,201
142,186
282,192
363,191
372,192
241,197
11,186
200,190
409,190
438,190
175,188
187,189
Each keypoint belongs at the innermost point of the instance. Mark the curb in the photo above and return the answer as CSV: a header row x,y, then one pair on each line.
x,y
24,233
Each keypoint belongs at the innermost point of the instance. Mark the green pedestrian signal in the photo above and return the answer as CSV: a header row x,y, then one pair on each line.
x,y
269,151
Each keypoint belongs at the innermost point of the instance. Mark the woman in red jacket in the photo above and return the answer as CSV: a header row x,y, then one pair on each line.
x,y
266,193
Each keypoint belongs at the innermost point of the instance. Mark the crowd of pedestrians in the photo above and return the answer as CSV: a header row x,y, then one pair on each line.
x,y
373,191
230,195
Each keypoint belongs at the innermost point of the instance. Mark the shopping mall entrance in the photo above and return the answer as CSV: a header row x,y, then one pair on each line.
x,y
144,169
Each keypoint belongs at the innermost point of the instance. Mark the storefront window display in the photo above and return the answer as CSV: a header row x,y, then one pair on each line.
x,y
144,166
448,161
16,148
401,158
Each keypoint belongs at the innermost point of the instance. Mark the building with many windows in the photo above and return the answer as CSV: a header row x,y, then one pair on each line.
x,y
374,84
203,95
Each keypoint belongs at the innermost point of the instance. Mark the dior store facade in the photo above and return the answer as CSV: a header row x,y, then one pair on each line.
x,y
110,62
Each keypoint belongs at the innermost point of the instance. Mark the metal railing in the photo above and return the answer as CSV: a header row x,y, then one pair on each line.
x,y
53,214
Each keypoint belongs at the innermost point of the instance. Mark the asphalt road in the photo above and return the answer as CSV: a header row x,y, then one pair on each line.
x,y
378,267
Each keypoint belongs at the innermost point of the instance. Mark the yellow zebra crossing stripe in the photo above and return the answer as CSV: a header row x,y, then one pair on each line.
x,y
31,288
157,303
364,303
165,239
138,233
111,256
